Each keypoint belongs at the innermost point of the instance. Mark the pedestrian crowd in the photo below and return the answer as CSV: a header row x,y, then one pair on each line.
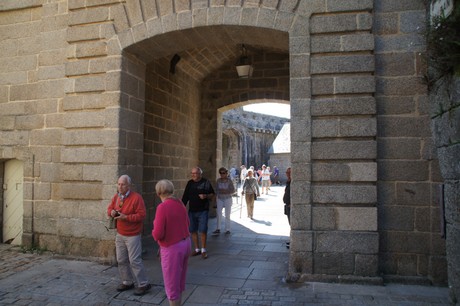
x,y
180,226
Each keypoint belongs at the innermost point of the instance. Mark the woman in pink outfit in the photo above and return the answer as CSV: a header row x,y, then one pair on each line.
x,y
170,231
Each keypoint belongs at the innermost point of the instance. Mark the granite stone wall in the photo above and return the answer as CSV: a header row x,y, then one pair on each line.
x,y
87,94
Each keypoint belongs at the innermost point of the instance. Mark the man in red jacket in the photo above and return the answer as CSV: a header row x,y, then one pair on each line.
x,y
128,209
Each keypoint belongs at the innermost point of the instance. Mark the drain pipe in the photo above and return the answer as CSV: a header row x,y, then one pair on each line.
x,y
33,199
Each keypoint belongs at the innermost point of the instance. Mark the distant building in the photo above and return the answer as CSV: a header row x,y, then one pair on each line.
x,y
280,151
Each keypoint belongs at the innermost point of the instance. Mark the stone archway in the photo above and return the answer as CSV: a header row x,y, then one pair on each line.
x,y
176,129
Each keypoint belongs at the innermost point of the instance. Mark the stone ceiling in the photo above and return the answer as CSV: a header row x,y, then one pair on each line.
x,y
203,50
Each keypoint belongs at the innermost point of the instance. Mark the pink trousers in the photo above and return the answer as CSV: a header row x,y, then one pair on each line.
x,y
174,262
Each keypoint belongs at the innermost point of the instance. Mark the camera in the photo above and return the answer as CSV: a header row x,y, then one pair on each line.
x,y
117,213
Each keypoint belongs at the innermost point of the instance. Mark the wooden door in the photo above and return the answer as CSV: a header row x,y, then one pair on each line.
x,y
13,209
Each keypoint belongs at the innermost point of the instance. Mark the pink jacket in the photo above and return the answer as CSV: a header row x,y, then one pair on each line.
x,y
171,222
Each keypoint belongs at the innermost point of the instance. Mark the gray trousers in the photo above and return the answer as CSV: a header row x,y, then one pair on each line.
x,y
129,258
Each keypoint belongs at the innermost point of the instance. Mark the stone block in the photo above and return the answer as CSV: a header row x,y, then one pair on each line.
x,y
118,14
342,64
49,172
413,194
149,9
397,218
46,137
54,40
400,43
400,86
84,119
363,172
356,218
438,270
446,127
400,170
347,242
41,90
299,65
21,30
301,241
7,123
300,129
366,265
71,172
46,226
300,216
386,23
51,72
76,68
446,156
354,5
81,191
29,122
300,152
199,17
300,263
13,78
232,15
27,46
334,263
330,171
399,148
355,194
403,126
301,88
451,202
52,57
134,12
90,83
346,22
323,218
422,221
354,84
396,6
343,106
298,45
83,137
18,63
395,64
405,242
14,138
91,15
283,21
83,155
413,21
320,86
266,18
91,101
13,6
344,149
91,49
84,33
342,43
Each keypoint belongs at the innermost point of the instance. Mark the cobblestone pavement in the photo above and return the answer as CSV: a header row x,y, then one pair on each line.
x,y
244,268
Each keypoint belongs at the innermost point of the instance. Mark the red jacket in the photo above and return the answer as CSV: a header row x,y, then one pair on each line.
x,y
134,208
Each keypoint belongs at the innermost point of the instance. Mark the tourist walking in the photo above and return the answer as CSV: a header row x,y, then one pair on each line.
x,y
128,209
170,231
224,192
197,194
287,198
250,190
265,179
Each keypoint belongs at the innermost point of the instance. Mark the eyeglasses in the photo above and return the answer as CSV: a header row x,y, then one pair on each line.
x,y
222,172
195,173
